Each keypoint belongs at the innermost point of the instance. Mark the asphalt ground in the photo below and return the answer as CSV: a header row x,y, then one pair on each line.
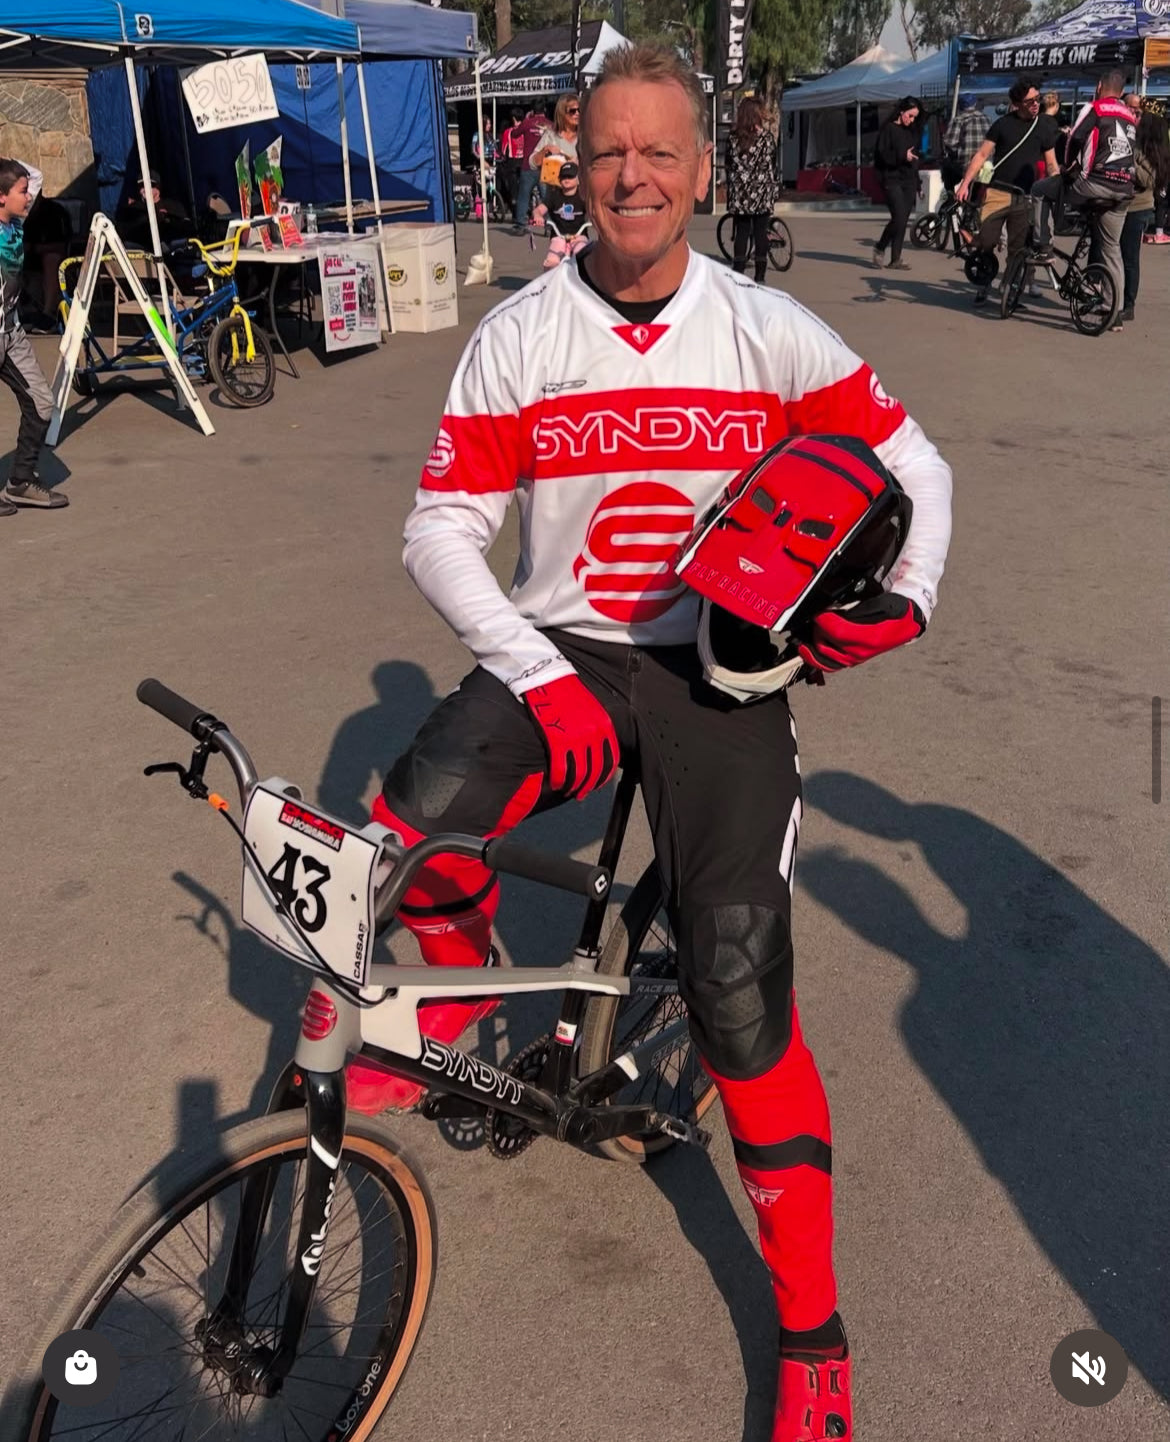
x,y
981,889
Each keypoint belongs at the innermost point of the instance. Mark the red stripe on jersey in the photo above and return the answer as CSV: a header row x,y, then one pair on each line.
x,y
855,406
650,430
477,454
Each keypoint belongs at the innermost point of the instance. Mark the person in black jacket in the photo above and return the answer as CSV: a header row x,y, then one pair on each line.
x,y
895,159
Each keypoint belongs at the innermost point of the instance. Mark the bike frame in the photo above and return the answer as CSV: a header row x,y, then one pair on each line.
x,y
386,1031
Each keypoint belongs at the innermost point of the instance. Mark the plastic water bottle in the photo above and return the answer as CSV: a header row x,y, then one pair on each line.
x,y
310,221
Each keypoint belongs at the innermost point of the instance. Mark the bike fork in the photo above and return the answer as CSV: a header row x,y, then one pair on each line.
x,y
324,1095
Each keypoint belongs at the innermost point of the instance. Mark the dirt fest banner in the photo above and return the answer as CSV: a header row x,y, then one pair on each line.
x,y
733,20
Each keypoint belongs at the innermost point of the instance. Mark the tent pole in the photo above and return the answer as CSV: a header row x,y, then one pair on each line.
x,y
482,162
344,148
186,144
858,139
144,164
361,79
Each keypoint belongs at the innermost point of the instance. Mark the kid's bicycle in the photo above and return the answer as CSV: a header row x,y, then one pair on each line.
x,y
215,337
274,1286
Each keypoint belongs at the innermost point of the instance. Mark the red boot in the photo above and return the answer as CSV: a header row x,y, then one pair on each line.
x,y
813,1400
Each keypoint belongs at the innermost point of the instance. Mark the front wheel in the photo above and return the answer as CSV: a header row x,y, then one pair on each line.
x,y
242,381
725,235
1014,281
925,232
981,268
1093,302
150,1285
642,944
781,251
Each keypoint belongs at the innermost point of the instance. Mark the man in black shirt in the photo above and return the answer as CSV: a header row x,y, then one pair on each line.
x,y
1015,144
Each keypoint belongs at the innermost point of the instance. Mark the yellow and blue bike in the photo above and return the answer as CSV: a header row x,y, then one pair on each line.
x,y
214,335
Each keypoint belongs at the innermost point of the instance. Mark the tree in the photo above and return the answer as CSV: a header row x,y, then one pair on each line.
x,y
936,22
1046,11
856,26
906,16
788,37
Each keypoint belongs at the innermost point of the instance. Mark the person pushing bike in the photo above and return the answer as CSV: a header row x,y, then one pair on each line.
x,y
614,399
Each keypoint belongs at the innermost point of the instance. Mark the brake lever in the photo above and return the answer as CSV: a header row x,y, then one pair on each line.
x,y
190,777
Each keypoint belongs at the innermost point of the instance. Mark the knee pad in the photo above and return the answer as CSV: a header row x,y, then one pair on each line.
x,y
735,975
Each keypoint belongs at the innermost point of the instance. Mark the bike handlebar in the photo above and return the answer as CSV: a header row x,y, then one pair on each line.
x,y
500,854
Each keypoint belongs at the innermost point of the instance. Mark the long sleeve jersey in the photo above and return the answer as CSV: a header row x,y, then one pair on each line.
x,y
613,438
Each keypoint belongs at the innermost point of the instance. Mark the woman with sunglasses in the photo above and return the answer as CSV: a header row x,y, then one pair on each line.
x,y
558,142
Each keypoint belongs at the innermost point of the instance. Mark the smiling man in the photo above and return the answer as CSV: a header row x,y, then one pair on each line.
x,y
614,399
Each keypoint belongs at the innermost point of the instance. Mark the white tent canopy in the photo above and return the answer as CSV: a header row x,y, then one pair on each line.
x,y
846,86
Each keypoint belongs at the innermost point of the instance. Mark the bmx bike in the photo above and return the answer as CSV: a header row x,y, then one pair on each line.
x,y
274,1284
781,251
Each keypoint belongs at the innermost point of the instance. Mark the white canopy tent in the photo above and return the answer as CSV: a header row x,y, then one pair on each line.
x,y
875,76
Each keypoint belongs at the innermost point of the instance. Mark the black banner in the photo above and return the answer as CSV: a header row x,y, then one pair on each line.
x,y
1013,60
733,24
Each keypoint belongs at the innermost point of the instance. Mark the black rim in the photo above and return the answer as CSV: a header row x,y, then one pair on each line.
x,y
247,380
678,1080
169,1388
1093,302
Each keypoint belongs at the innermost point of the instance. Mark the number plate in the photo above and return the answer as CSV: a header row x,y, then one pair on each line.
x,y
323,871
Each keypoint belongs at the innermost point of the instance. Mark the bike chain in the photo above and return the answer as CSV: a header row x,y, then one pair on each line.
x,y
508,1136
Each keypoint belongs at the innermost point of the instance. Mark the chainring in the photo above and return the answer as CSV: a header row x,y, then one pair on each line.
x,y
508,1136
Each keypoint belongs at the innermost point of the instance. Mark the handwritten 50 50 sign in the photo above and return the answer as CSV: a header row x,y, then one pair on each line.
x,y
229,92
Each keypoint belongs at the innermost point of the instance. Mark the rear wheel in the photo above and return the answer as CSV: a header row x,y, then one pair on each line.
x,y
1093,301
981,268
242,381
781,251
925,232
150,1285
642,944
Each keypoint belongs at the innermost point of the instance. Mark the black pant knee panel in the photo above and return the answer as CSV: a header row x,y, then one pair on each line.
x,y
735,975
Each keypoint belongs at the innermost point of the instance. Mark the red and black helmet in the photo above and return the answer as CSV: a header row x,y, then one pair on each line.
x,y
816,523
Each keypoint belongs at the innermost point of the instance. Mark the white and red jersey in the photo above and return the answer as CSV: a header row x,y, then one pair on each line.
x,y
612,438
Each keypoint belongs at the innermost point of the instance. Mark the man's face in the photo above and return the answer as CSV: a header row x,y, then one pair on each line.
x,y
18,200
642,167
1029,107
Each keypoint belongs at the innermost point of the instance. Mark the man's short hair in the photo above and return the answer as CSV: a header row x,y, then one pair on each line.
x,y
1021,88
659,64
10,172
1112,82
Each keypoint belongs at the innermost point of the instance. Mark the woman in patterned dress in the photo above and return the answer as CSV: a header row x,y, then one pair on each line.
x,y
751,185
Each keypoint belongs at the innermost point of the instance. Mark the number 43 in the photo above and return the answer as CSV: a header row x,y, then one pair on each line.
x,y
283,880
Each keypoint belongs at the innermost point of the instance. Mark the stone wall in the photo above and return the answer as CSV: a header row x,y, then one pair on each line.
x,y
44,119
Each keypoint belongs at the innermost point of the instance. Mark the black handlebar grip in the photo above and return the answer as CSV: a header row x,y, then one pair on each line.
x,y
504,854
185,714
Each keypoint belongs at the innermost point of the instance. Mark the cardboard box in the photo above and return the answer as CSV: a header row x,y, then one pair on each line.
x,y
419,262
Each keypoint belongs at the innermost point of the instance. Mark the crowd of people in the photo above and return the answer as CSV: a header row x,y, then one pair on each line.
x,y
1028,168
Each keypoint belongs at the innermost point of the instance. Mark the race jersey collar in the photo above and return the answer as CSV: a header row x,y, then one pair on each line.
x,y
657,315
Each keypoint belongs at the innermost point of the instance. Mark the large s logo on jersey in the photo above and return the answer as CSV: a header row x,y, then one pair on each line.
x,y
634,534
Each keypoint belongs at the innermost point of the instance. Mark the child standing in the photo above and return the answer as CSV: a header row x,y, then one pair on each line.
x,y
19,187
565,213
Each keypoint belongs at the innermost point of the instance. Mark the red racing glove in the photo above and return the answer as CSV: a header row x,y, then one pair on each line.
x,y
849,637
578,735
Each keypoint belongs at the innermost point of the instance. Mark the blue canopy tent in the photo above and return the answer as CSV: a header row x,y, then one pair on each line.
x,y
1095,34
96,33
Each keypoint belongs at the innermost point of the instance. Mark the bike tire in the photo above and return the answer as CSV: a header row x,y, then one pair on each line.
x,y
1012,291
633,940
925,232
1093,303
241,381
159,1212
781,251
725,235
981,268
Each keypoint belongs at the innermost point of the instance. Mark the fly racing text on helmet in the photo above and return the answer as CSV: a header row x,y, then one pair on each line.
x,y
815,524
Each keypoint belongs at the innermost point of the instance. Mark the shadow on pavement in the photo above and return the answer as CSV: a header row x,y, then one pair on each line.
x,y
1044,1028
687,1179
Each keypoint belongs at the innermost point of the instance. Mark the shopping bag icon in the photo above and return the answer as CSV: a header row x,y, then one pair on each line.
x,y
80,1369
